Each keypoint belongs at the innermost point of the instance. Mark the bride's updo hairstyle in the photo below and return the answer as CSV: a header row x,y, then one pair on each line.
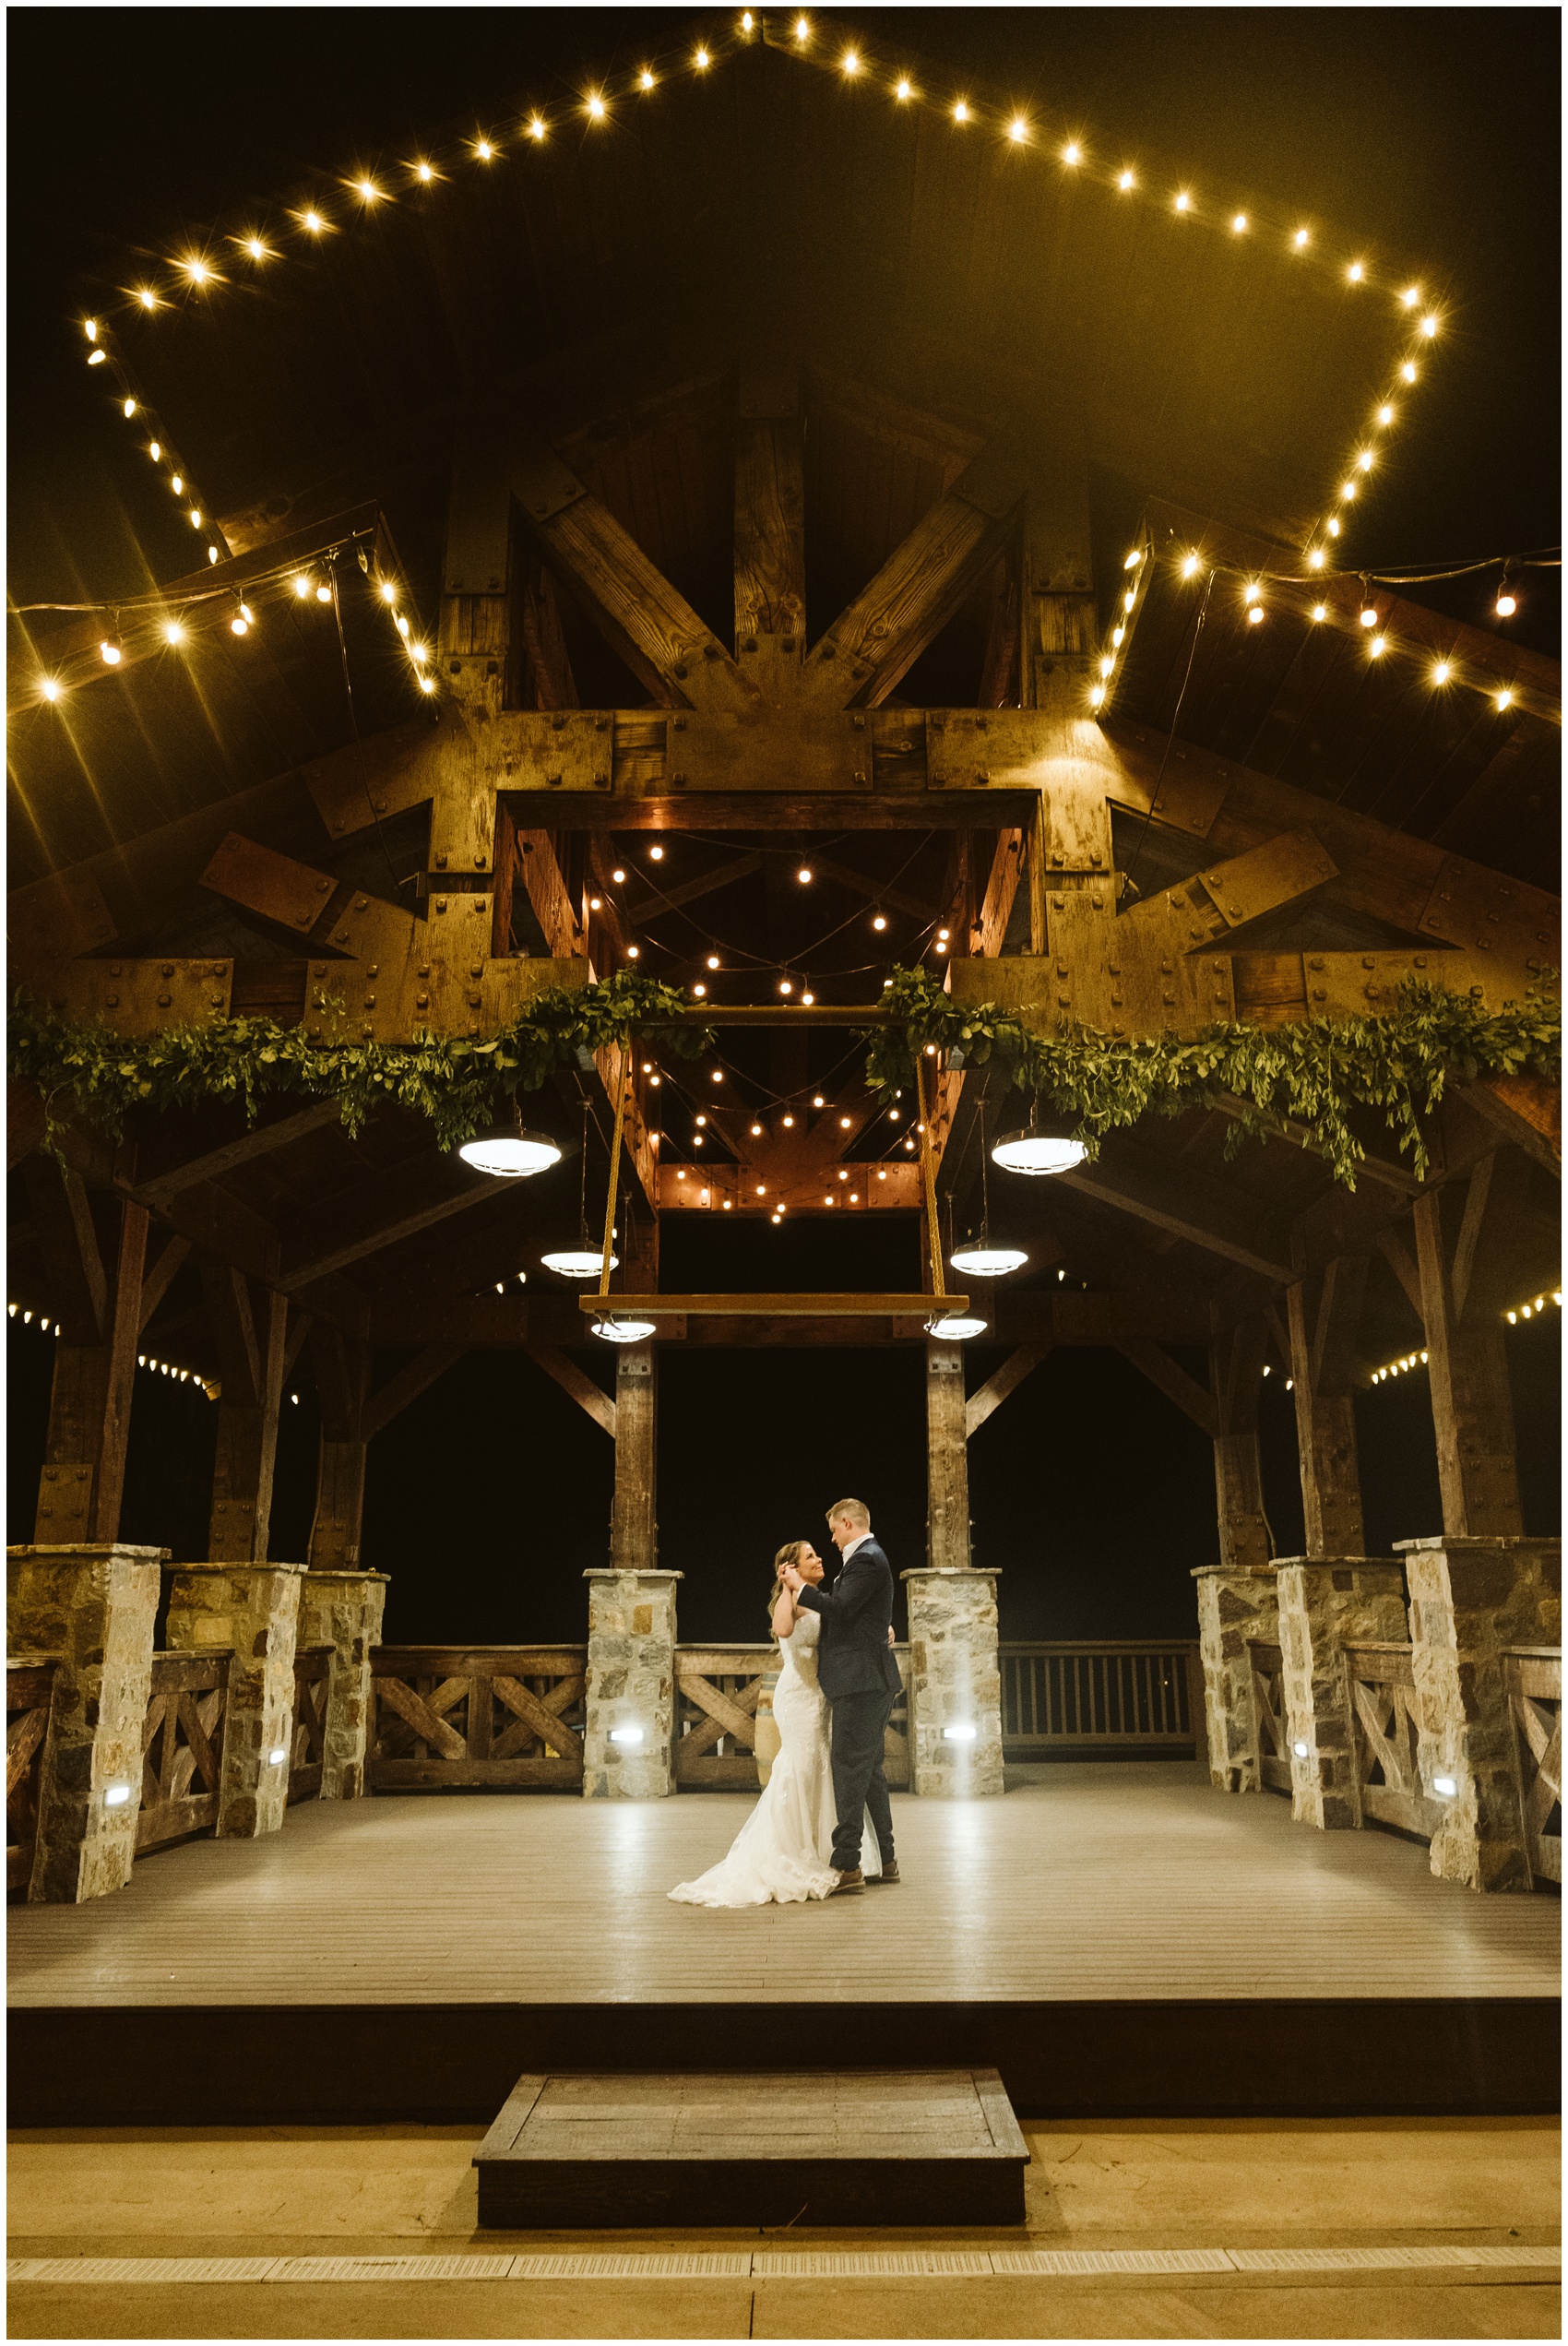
x,y
788,1554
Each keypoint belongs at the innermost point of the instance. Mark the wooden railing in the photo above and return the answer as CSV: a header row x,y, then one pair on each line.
x,y
313,1670
1384,1733
30,1687
181,1747
1115,1694
716,1700
1533,1675
1268,1714
471,1717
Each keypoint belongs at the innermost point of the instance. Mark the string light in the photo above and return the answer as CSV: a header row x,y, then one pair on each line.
x,y
1126,183
1073,153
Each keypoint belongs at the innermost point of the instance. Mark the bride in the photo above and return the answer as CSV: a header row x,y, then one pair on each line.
x,y
781,1854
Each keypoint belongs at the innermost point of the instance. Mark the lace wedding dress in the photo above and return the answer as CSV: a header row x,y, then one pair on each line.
x,y
779,1856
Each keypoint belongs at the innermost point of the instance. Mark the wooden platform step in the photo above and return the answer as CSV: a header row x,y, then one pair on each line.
x,y
872,2147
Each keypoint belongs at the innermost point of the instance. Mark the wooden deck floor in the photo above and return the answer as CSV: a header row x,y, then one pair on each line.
x,y
1124,1883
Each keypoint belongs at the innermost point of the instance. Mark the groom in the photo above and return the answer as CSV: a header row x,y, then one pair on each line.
x,y
860,1678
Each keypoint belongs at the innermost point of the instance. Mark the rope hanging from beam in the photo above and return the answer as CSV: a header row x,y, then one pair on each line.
x,y
928,1167
622,1062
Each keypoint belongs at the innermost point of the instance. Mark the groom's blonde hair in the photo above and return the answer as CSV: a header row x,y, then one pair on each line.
x,y
854,1511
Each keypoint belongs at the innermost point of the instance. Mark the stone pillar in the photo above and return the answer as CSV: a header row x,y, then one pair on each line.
x,y
633,1525
1468,1600
1235,1603
1324,1313
1323,1600
948,1462
630,1685
94,1608
955,1682
253,1607
343,1610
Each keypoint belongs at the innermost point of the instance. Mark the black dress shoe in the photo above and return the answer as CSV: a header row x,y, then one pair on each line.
x,y
852,1880
889,1874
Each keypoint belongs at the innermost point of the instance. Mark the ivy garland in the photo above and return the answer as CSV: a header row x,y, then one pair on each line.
x,y
1316,1072
458,1084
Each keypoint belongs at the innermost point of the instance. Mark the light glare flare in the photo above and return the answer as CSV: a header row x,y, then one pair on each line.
x,y
1239,225
1126,183
1356,272
1302,240
1072,152
1442,672
1184,202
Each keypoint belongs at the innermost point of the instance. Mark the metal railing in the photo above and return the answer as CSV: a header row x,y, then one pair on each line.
x,y
1130,1694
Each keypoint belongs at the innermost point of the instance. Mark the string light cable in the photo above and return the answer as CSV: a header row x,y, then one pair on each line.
x,y
227,265
1322,598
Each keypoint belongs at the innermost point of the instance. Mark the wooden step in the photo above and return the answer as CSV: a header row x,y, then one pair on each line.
x,y
771,2147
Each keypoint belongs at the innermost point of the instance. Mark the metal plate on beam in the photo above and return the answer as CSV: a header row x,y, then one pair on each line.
x,y
444,986
1281,872
563,749
276,886
1486,912
132,997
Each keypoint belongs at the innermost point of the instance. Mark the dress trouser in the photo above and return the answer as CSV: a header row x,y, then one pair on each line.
x,y
860,1723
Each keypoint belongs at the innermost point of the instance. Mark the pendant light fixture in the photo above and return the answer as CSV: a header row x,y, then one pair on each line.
x,y
1046,1146
623,1331
977,1258
583,1261
957,1327
509,1153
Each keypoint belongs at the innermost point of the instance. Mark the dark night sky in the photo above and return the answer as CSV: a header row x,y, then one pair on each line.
x,y
1434,131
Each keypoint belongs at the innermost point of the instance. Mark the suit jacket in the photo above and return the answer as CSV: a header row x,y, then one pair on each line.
x,y
854,1657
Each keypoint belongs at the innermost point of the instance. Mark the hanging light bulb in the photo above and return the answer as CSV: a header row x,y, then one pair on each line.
x,y
1369,609
109,651
1507,602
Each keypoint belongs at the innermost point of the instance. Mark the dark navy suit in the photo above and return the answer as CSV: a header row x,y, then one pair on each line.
x,y
860,1678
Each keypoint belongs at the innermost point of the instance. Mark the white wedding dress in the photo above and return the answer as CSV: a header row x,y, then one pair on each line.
x,y
781,1854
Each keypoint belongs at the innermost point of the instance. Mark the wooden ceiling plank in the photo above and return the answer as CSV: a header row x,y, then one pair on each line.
x,y
211,1164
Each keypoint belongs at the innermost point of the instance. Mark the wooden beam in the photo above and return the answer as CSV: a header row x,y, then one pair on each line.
x,y
1324,1313
247,1428
621,1307
947,1464
68,1241
1173,1381
1173,1196
410,1382
1467,1374
1235,1357
156,1282
989,1398
374,1215
770,528
1402,1263
870,646
577,1383
1527,1110
873,890
89,1410
340,1364
634,1516
211,1164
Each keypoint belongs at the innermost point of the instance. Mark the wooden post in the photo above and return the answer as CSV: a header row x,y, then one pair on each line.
x,y
947,1464
634,1524
1235,1359
95,1363
251,1356
94,1607
1323,1315
1463,1257
769,535
1470,1601
341,1365
254,1609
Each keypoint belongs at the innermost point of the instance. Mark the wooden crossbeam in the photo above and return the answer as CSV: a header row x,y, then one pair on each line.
x,y
211,1164
1191,1206
771,1306
989,1397
577,1383
410,1382
1188,1396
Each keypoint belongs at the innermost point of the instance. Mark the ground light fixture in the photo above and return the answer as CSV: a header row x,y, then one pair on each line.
x,y
956,1326
509,1153
1301,1750
1444,1787
960,1734
625,1736
623,1331
577,1262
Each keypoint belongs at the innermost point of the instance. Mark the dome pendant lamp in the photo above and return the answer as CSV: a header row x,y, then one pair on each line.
x,y
509,1153
1047,1145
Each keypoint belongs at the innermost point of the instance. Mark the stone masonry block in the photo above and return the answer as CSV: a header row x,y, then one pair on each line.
x,y
1235,1603
1324,1600
1469,1599
255,1609
954,1681
93,1608
344,1609
631,1684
